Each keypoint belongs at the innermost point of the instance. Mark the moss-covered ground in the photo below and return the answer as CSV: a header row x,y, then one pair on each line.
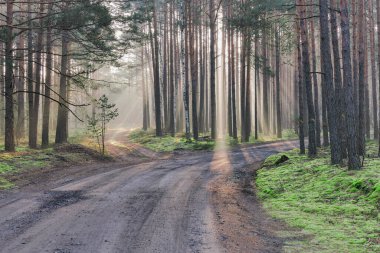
x,y
337,209
27,159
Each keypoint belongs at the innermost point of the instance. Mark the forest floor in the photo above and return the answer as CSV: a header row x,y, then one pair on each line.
x,y
337,209
142,201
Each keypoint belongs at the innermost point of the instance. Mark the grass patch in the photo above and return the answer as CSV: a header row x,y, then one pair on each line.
x,y
339,208
168,143
27,159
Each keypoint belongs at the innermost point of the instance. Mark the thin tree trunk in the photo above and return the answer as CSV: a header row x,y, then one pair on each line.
x,y
278,95
157,92
315,79
213,17
373,74
194,72
31,135
185,70
9,141
20,126
243,89
362,124
301,133
48,83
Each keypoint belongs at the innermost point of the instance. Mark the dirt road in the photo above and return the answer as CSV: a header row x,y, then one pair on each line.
x,y
196,202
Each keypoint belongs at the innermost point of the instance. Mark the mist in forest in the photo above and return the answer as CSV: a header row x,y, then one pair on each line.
x,y
243,70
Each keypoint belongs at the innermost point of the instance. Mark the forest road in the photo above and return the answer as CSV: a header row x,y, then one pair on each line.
x,y
198,202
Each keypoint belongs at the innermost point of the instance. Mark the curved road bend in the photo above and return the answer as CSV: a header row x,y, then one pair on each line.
x,y
160,206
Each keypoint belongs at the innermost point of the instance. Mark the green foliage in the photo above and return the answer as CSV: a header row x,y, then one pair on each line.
x,y
339,208
97,124
168,143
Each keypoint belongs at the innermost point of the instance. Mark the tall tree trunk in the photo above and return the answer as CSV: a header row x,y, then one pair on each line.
x,y
185,70
307,80
157,92
362,124
61,134
278,95
339,105
378,49
172,97
48,83
353,158
194,72
301,110
233,88
248,118
32,137
213,17
20,125
9,141
37,90
243,55
144,92
257,83
336,157
315,79
265,83
373,71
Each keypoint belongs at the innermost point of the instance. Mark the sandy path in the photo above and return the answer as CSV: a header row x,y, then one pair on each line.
x,y
188,203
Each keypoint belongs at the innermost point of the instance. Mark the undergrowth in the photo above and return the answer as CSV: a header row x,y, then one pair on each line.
x,y
337,208
168,143
27,159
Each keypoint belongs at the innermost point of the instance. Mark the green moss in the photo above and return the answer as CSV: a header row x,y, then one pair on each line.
x,y
5,168
340,208
5,184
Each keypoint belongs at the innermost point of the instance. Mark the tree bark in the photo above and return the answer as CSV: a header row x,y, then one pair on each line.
x,y
351,122
312,151
9,141
336,157
48,83
213,17
278,95
61,134
157,92
361,63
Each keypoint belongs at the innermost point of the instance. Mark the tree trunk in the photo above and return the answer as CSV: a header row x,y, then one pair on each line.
x,y
31,135
336,157
213,17
307,80
243,55
362,124
373,74
351,122
185,70
278,95
20,126
48,84
301,110
194,72
157,92
9,141
339,105
315,79
61,134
